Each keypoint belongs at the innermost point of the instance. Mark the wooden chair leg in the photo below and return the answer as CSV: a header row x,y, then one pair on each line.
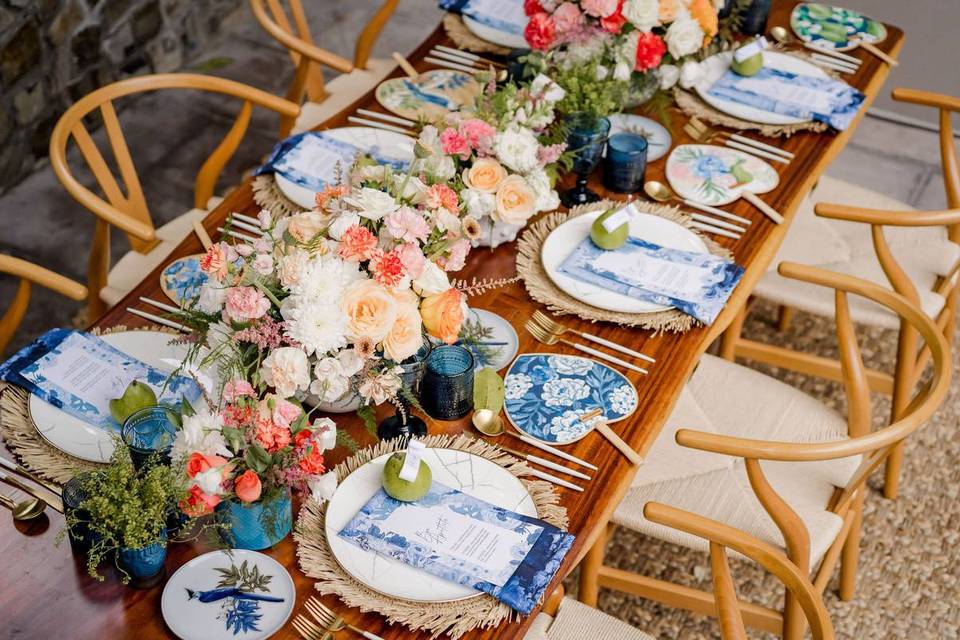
x,y
891,480
728,343
850,556
552,603
590,570
794,622
784,316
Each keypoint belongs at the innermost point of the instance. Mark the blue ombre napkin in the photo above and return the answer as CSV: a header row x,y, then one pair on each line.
x,y
822,99
503,15
454,536
696,283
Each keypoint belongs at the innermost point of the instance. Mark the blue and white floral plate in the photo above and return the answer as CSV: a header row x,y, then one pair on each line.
x,y
547,393
473,475
234,594
181,279
431,95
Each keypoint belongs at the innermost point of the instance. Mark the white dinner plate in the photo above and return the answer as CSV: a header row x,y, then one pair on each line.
x,y
85,441
500,331
718,64
475,476
564,239
389,143
190,618
494,35
658,138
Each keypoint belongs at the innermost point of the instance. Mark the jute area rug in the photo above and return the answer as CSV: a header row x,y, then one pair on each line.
x,y
909,576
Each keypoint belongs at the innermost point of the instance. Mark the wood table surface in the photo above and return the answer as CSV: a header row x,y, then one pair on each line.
x,y
46,593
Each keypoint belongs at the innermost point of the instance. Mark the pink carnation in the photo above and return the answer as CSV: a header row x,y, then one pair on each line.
x,y
479,134
408,225
237,388
412,258
650,50
440,195
567,17
454,144
457,257
283,413
387,268
245,304
357,244
599,8
272,436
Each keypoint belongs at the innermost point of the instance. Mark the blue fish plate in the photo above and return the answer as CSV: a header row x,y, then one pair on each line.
x,y
545,395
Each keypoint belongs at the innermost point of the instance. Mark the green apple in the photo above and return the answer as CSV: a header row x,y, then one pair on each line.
x,y
749,67
136,396
609,239
404,490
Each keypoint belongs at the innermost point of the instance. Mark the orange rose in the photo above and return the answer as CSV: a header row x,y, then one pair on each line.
x,y
705,13
443,314
370,309
516,201
485,175
247,487
198,463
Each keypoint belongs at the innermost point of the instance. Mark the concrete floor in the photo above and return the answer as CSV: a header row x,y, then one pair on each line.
x,y
171,133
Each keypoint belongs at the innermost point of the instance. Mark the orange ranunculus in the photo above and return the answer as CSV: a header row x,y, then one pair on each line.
x,y
705,12
442,314
247,486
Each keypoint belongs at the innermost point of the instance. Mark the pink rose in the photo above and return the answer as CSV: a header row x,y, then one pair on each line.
x,y
408,225
454,144
412,258
245,304
237,388
567,17
599,8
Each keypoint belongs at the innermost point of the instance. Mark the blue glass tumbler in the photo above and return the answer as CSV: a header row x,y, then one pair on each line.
x,y
446,391
586,138
149,432
626,163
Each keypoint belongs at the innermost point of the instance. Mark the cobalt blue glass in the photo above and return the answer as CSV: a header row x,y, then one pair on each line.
x,y
753,21
403,423
626,162
446,392
144,566
73,494
586,137
256,525
149,432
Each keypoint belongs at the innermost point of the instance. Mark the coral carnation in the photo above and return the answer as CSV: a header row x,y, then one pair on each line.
x,y
650,50
614,22
541,31
357,244
388,268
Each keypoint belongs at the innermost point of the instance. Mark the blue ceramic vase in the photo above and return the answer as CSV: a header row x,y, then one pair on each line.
x,y
144,563
256,525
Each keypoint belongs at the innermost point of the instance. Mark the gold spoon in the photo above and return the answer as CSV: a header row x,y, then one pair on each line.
x,y
26,510
662,193
781,35
487,422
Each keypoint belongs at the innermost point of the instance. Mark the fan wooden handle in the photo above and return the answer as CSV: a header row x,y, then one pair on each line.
x,y
880,54
770,212
618,442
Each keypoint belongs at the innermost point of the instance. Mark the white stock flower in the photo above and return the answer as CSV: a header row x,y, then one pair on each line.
x,y
318,324
287,370
478,204
691,73
326,429
201,433
323,487
669,74
517,148
341,223
622,72
547,198
684,36
372,203
602,72
433,280
643,14
212,297
547,89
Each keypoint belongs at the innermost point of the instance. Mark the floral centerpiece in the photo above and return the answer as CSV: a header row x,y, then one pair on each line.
x,y
503,158
646,42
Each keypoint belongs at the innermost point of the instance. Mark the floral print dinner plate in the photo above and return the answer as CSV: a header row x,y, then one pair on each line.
x,y
432,95
233,594
717,175
547,393
181,279
834,27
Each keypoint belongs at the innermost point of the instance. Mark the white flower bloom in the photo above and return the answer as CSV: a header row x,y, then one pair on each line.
x,y
264,218
684,36
263,264
564,391
547,198
202,433
691,73
567,365
327,369
602,73
209,480
516,385
448,221
440,167
319,277
547,89
323,487
622,399
669,74
372,203
433,280
327,430
218,334
212,297
287,370
317,323
517,148
341,223
350,362
414,189
478,204
643,14
622,71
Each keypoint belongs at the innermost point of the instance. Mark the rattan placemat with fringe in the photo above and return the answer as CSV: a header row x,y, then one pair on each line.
x,y
542,289
268,196
452,618
464,38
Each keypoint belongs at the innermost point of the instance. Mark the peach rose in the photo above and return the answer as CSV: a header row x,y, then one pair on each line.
x,y
247,486
485,175
304,226
443,314
515,200
406,334
370,309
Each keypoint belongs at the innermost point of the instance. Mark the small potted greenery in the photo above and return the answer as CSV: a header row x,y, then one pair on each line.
x,y
126,512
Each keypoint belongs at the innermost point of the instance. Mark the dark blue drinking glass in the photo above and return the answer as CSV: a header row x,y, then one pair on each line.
x,y
626,162
586,137
446,391
753,21
149,432
403,423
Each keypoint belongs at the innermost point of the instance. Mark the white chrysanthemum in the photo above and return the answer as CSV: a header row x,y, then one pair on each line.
x,y
315,276
643,14
317,323
517,148
684,36
202,433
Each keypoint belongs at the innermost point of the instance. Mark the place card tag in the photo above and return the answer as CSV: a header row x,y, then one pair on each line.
x,y
411,461
620,218
750,50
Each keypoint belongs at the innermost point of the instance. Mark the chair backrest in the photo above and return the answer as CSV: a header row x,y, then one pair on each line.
x,y
723,537
29,273
126,207
874,446
288,25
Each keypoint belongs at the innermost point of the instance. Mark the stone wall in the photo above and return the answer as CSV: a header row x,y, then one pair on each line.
x,y
52,52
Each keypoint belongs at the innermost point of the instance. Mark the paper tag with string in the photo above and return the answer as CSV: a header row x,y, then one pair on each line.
x,y
751,49
411,462
619,219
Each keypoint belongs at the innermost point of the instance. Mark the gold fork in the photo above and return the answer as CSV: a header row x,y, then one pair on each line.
x,y
558,329
544,336
703,126
309,630
326,616
706,136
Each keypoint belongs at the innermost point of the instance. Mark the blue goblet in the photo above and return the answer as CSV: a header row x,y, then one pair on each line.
x,y
149,432
587,136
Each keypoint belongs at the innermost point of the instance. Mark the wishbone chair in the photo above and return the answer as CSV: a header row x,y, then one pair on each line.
x,y
125,207
917,253
806,495
288,25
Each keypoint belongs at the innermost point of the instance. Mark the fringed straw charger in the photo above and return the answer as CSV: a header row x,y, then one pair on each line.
x,y
465,39
542,289
268,196
453,618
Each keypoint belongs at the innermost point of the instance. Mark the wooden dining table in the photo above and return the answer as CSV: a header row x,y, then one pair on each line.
x,y
45,591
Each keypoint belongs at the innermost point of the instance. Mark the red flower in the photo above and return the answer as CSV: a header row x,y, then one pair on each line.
x,y
615,21
650,50
532,7
302,436
541,31
387,268
312,462
197,503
